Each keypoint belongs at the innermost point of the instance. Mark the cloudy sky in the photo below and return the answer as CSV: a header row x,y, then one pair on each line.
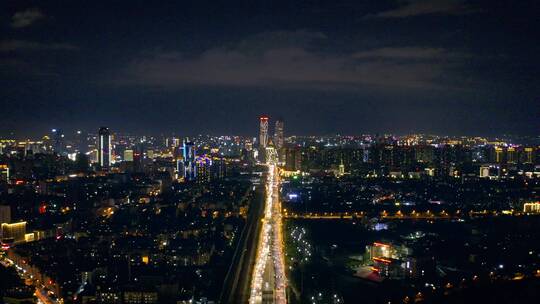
x,y
351,67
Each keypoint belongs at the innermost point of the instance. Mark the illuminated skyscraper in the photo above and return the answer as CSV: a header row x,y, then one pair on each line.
x,y
128,155
104,148
80,142
529,155
270,153
278,135
58,141
189,153
511,155
499,154
5,214
341,169
203,164
13,231
4,173
263,133
293,159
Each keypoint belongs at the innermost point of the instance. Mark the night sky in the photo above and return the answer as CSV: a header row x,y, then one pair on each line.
x,y
437,66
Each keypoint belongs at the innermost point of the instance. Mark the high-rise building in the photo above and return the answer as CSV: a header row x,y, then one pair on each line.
x,y
531,207
104,148
499,154
271,156
13,231
263,139
128,155
511,155
81,162
278,135
341,168
189,154
529,155
293,159
5,214
172,142
263,133
248,145
58,145
81,145
203,164
218,169
4,173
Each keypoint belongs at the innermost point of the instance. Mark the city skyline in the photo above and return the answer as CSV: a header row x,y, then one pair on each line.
x,y
273,135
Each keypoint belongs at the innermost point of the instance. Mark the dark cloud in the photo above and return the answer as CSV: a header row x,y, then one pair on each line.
x,y
431,66
26,18
425,7
23,45
286,59
261,42
408,53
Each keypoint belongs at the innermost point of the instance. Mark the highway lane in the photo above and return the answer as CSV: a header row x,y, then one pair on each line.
x,y
268,279
236,287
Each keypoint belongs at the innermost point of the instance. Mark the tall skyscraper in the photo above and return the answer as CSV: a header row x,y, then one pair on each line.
x,y
4,173
263,133
189,154
104,148
80,141
5,214
128,155
278,135
293,159
58,144
203,165
529,155
341,168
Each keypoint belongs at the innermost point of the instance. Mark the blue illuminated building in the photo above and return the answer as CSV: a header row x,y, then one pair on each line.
x,y
189,154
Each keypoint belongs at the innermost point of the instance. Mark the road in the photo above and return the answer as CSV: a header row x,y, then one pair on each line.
x,y
268,283
42,293
337,216
236,288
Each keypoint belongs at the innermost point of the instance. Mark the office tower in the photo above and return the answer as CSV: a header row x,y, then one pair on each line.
x,y
263,139
189,160
293,159
263,133
81,162
58,145
104,148
128,155
511,155
499,154
529,155
179,170
531,207
13,231
484,171
248,145
80,142
341,168
4,173
203,164
5,214
172,142
218,169
271,156
278,135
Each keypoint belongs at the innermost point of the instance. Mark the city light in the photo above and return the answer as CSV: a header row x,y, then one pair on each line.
x,y
268,278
